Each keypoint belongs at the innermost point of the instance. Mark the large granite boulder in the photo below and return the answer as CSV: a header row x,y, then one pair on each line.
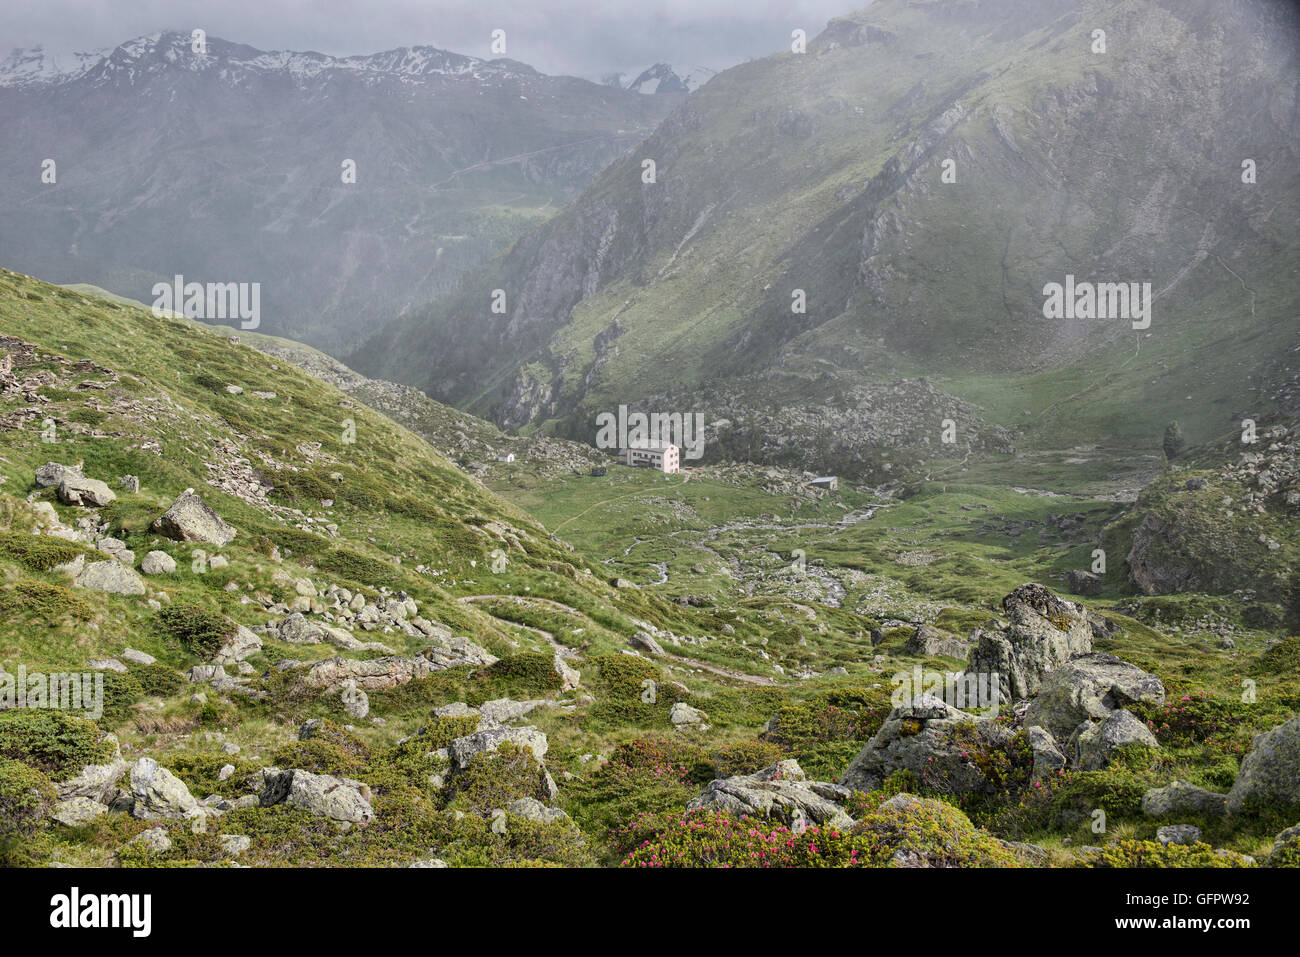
x,y
112,577
87,492
1286,849
1179,797
158,563
1270,773
1097,744
76,811
453,652
569,677
374,674
1042,633
933,740
1048,759
464,750
1090,687
190,520
297,629
1083,582
158,794
928,641
532,809
340,799
243,644
781,792
96,782
52,474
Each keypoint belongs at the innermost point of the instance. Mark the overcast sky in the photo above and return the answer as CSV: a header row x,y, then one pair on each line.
x,y
582,37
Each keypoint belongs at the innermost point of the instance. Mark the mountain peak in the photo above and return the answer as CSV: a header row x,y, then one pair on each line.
x,y
661,78
173,49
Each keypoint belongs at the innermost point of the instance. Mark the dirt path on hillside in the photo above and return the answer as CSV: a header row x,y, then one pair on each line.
x,y
564,650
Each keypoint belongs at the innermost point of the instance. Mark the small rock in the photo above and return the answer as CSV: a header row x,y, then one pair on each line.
x,y
77,810
1178,834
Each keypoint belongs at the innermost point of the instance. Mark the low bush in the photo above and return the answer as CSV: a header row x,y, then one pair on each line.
x,y
198,630
55,742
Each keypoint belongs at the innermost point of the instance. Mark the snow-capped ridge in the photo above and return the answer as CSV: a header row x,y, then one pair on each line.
x,y
169,50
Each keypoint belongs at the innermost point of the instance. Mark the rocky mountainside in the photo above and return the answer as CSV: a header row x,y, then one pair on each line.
x,y
893,203
316,640
227,166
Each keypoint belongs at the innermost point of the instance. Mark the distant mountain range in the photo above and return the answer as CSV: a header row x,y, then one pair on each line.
x,y
826,230
226,166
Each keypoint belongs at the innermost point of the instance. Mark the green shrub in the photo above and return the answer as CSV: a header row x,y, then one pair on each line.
x,y
202,774
358,568
339,737
199,631
1282,659
26,796
642,776
319,757
121,691
38,553
624,675
909,832
441,732
157,680
1198,718
746,757
206,380
824,737
527,673
1286,849
1154,854
291,486
496,778
55,742
46,602
87,416
709,839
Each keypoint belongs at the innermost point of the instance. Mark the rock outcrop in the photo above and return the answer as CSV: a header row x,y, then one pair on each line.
x,y
928,641
1098,743
1179,797
780,792
1044,631
156,793
86,492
